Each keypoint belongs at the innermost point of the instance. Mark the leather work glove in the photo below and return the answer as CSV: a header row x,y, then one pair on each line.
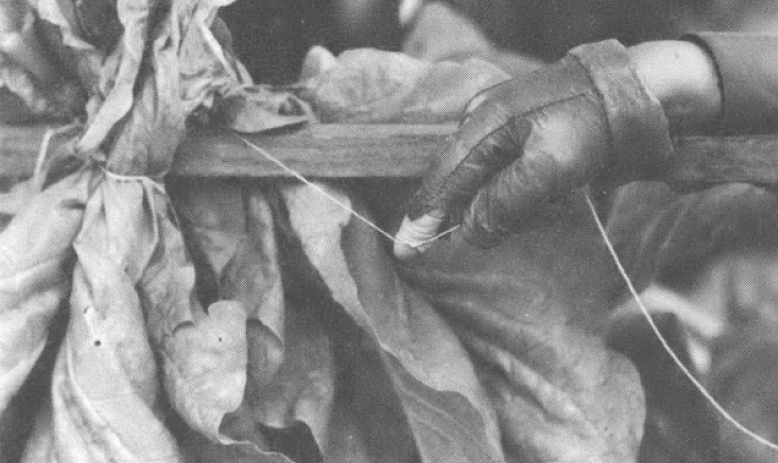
x,y
529,141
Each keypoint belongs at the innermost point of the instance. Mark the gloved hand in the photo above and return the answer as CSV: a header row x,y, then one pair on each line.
x,y
528,141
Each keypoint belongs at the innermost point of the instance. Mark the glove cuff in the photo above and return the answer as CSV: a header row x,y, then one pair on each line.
x,y
639,130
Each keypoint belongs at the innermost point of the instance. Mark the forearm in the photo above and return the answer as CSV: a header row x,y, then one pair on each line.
x,y
683,76
726,81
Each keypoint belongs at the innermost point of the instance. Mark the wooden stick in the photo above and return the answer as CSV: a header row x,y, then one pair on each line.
x,y
330,150
335,150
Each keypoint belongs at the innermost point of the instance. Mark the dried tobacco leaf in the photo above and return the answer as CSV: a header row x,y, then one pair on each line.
x,y
261,108
290,413
230,228
371,86
290,364
203,353
34,278
447,410
205,372
466,285
40,445
106,400
34,282
559,394
107,365
131,264
529,312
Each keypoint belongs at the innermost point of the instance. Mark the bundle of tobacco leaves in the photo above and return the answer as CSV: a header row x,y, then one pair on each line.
x,y
126,341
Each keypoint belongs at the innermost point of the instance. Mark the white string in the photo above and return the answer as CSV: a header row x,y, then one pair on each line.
x,y
148,182
713,402
729,418
412,244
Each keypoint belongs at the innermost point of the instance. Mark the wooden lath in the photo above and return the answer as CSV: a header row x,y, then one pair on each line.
x,y
340,150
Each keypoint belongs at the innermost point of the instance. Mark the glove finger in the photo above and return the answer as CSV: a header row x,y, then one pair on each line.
x,y
448,189
566,145
414,237
442,196
483,147
491,137
492,133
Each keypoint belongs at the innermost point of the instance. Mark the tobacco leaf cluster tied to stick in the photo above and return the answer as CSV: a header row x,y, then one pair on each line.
x,y
223,320
103,241
145,345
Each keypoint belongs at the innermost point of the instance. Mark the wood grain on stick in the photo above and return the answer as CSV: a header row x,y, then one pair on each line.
x,y
340,150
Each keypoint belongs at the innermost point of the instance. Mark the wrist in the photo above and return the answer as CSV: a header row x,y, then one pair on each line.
x,y
637,123
683,77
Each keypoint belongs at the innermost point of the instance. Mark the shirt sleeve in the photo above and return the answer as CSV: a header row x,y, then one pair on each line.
x,y
748,74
